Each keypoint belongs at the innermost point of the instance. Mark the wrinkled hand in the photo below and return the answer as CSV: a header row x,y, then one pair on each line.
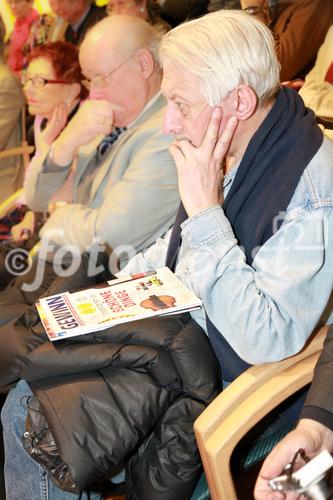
x,y
94,118
24,230
199,169
310,435
53,128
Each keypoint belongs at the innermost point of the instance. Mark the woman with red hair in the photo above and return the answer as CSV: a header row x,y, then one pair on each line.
x,y
52,87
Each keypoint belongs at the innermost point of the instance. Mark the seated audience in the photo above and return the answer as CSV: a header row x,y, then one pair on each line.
x,y
52,86
317,91
25,15
314,432
255,177
135,176
299,28
11,105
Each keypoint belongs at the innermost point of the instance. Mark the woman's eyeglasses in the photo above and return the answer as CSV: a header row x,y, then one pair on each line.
x,y
38,81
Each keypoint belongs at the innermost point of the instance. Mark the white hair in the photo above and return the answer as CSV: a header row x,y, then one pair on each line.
x,y
222,50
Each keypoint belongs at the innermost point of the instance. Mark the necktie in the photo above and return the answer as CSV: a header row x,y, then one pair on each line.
x,y
107,142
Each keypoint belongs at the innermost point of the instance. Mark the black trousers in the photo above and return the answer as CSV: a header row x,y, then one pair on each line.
x,y
2,456
15,299
9,251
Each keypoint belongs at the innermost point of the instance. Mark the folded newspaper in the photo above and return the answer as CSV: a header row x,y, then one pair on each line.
x,y
129,298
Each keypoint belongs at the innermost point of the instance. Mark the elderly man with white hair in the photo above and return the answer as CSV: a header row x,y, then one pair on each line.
x,y
255,176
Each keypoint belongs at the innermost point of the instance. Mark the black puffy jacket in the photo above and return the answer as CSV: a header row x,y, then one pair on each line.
x,y
129,395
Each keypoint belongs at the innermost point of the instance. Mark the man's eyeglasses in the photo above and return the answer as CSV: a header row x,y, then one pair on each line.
x,y
38,81
102,81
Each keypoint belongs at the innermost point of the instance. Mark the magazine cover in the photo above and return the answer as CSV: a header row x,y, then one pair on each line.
x,y
125,299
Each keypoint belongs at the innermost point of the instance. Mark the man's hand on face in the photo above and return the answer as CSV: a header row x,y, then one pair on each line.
x,y
311,436
94,118
199,169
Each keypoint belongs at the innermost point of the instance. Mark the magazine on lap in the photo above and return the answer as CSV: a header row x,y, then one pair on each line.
x,y
130,298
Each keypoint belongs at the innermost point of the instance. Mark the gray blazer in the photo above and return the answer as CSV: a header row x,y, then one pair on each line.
x,y
132,199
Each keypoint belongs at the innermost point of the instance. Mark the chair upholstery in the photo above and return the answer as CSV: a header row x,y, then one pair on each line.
x,y
243,404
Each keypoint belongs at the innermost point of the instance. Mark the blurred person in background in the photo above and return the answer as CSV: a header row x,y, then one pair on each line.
x,y
11,105
119,172
299,28
80,16
25,15
317,91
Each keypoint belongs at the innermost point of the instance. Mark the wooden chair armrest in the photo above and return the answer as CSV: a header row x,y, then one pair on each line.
x,y
9,203
242,404
20,150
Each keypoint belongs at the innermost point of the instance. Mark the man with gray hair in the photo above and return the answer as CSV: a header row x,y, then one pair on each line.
x,y
255,177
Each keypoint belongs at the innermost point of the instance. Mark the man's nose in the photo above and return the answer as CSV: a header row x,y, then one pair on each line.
x,y
172,123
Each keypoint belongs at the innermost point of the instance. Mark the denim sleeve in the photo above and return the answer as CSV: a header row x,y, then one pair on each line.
x,y
265,311
152,258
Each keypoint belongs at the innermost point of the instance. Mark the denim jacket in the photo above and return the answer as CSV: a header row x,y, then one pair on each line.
x,y
265,311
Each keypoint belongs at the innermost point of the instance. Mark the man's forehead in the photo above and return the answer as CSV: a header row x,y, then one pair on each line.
x,y
93,64
176,83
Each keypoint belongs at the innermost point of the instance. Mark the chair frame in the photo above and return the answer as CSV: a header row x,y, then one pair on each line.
x,y
243,404
23,150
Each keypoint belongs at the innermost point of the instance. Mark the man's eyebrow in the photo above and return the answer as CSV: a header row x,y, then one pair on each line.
x,y
177,97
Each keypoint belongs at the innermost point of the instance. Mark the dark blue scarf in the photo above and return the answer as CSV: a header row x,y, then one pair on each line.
x,y
265,182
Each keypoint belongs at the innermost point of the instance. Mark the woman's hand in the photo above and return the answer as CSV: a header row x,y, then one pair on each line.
x,y
24,230
53,128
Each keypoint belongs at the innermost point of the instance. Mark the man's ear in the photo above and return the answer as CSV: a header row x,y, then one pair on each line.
x,y
244,101
146,62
